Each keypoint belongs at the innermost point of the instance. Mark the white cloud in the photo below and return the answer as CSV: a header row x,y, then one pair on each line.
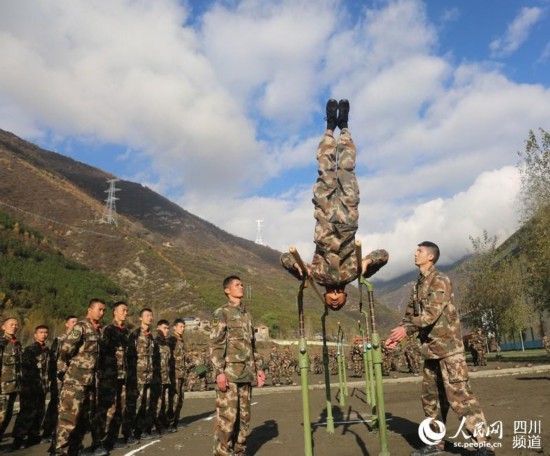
x,y
226,111
517,32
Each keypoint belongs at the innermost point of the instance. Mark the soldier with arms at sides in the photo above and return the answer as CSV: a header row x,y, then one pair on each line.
x,y
232,349
80,351
10,371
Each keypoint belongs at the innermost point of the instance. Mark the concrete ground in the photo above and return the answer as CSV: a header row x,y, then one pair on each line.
x,y
517,397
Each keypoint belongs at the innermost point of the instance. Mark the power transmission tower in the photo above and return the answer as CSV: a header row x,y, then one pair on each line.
x,y
259,239
109,214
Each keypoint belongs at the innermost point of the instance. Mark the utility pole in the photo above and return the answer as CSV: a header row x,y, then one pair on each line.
x,y
109,214
259,239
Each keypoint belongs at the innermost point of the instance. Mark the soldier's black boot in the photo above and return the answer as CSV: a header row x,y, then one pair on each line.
x,y
17,444
332,114
343,113
429,450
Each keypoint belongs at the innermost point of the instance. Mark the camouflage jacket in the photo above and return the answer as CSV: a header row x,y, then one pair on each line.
x,y
56,364
80,350
432,313
140,356
232,343
177,367
161,359
35,368
113,352
10,365
478,342
324,276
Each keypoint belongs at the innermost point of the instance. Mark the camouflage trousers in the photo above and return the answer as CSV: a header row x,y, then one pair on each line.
x,y
336,201
232,426
50,419
357,365
176,402
7,402
275,372
144,407
445,385
479,357
161,398
194,378
32,408
413,361
112,411
75,412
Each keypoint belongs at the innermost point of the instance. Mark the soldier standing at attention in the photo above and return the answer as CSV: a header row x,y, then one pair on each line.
x,y
112,384
336,201
232,348
10,371
178,370
140,362
80,350
34,387
432,314
275,366
57,369
161,377
357,358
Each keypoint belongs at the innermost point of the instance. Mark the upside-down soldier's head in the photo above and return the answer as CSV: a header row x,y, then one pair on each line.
x,y
335,297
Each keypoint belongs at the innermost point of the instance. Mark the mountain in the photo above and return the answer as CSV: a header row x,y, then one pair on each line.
x,y
160,255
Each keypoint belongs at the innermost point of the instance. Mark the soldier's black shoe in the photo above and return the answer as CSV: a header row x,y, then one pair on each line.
x,y
100,451
428,450
332,114
132,440
32,440
17,444
147,436
343,112
485,451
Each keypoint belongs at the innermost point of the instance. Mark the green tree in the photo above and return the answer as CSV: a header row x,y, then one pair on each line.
x,y
534,168
491,291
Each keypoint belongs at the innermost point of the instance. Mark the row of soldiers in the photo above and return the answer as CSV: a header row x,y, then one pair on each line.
x,y
281,366
108,380
407,354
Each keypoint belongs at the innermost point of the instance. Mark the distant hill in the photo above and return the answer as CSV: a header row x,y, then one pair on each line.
x,y
160,255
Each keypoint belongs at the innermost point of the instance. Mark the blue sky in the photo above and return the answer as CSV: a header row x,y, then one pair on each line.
x,y
219,106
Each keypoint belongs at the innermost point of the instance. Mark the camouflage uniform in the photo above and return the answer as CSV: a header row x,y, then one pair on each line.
x,y
10,378
336,200
80,350
478,344
386,360
34,387
357,359
178,374
317,364
546,343
112,411
288,365
57,369
275,366
412,355
161,382
232,351
140,377
332,362
193,364
431,312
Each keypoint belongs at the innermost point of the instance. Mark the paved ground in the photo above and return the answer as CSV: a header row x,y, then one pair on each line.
x,y
510,395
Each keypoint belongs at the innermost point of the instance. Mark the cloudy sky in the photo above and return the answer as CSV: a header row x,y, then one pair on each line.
x,y
219,106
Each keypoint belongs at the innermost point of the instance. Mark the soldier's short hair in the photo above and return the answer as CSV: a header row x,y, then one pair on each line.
x,y
145,309
70,317
177,321
5,320
432,248
41,327
93,301
119,303
162,322
227,281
